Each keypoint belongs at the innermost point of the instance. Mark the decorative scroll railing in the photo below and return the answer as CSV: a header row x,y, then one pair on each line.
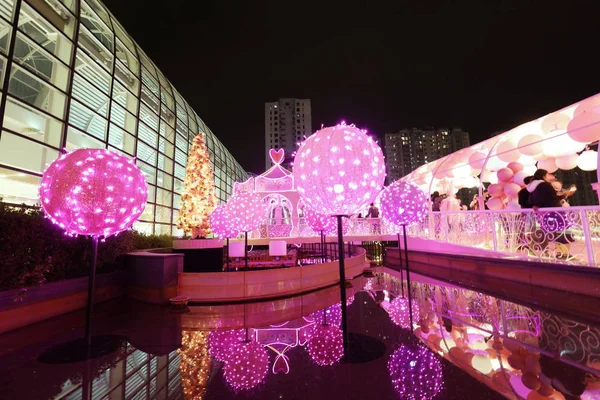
x,y
569,235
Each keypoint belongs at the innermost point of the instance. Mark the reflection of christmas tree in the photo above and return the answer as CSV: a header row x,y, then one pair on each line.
x,y
198,199
195,364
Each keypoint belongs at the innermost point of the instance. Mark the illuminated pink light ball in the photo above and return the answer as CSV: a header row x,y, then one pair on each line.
x,y
403,203
400,314
220,224
246,211
333,315
246,365
221,342
325,345
338,170
416,373
93,192
324,223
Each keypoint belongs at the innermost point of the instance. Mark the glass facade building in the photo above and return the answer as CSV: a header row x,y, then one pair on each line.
x,y
72,77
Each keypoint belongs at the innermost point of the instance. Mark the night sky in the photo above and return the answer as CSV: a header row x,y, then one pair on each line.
x,y
383,65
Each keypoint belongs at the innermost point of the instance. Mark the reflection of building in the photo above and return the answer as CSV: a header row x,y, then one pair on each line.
x,y
287,121
75,78
408,149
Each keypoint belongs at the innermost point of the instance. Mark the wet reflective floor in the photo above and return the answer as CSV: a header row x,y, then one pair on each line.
x,y
463,345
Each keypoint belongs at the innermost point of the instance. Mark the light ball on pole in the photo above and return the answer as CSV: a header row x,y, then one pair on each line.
x,y
339,170
403,203
246,211
93,192
220,223
323,223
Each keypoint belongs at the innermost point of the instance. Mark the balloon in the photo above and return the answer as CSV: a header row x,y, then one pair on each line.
x,y
585,127
507,150
505,174
462,171
567,162
547,164
531,381
495,203
515,166
516,361
496,190
511,189
555,122
494,163
530,145
477,159
527,160
588,160
482,364
520,176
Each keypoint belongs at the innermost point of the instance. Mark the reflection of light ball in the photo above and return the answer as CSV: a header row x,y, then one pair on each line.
x,y
400,314
331,315
246,211
403,203
416,373
221,342
220,224
326,345
93,192
246,365
338,170
324,223
588,160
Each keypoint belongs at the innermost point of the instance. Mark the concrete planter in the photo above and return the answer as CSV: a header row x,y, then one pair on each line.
x,y
51,299
201,255
152,276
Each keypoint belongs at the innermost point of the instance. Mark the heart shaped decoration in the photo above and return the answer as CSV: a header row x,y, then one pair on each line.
x,y
276,155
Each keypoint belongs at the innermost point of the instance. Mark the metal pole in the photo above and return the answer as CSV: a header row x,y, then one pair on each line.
x,y
90,298
400,266
227,257
322,237
343,285
408,278
246,249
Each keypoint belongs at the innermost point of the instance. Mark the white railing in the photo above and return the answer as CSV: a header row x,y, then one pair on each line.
x,y
569,235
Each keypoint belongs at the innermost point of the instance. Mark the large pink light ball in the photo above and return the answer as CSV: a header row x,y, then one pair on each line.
x,y
399,312
325,345
221,224
246,211
246,365
93,192
220,343
416,373
324,223
403,203
339,170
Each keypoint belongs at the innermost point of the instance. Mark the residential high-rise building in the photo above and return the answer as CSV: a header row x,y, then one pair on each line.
x,y
72,77
408,149
287,121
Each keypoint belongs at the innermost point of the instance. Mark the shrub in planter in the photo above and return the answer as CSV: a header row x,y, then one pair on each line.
x,y
34,251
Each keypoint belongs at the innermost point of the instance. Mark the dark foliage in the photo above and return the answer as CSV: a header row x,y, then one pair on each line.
x,y
34,251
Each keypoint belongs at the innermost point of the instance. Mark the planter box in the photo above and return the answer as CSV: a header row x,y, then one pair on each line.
x,y
152,277
55,298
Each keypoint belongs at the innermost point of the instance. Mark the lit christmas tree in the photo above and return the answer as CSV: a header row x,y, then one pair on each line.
x,y
198,199
195,364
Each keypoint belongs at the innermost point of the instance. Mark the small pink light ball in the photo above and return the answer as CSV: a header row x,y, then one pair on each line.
x,y
221,223
403,203
246,365
93,192
338,170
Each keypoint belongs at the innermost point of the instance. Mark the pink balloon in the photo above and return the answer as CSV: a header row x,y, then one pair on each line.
x,y
547,164
590,104
511,190
520,176
585,127
496,190
567,162
515,166
477,159
495,203
531,145
505,174
555,122
506,151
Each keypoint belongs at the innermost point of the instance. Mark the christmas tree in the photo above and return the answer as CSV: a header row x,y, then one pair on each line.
x,y
198,200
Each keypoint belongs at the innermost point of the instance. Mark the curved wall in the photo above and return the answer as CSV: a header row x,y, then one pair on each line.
x,y
72,77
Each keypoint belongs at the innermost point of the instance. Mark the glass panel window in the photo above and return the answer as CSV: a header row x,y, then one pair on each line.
x,y
33,123
99,10
40,62
150,118
95,49
122,118
149,65
2,68
148,214
179,171
126,77
163,214
180,157
5,35
51,36
124,97
160,229
143,227
126,57
90,96
164,197
123,37
36,92
120,139
18,188
177,201
166,147
97,26
147,134
167,114
25,154
164,180
146,153
77,139
178,186
6,9
85,66
87,120
149,99
165,163
149,172
151,194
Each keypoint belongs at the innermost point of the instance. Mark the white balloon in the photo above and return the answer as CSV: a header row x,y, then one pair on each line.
x,y
588,160
520,176
567,162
